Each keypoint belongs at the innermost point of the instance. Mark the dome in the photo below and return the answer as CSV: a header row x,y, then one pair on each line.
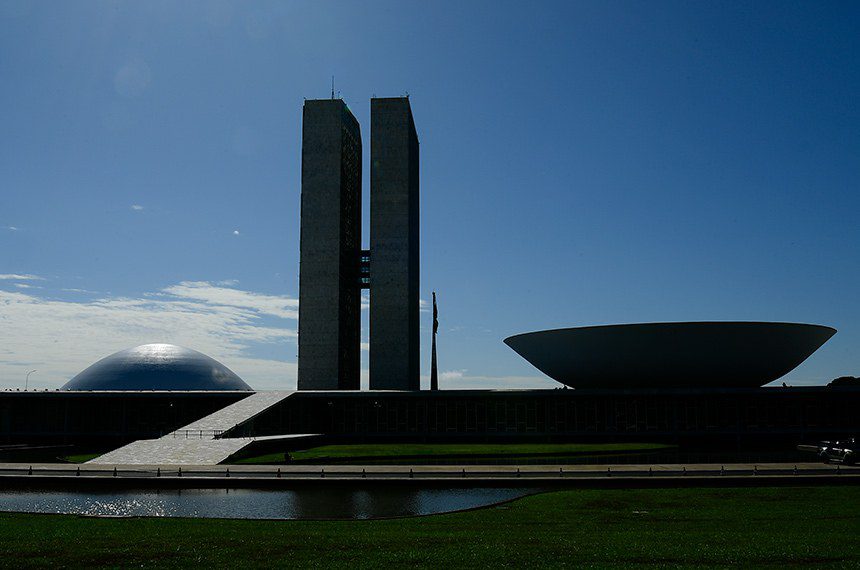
x,y
157,367
671,355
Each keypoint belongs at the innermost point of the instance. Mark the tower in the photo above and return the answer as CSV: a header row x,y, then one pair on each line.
x,y
330,247
394,332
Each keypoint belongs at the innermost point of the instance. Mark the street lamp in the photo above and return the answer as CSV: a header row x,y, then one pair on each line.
x,y
27,380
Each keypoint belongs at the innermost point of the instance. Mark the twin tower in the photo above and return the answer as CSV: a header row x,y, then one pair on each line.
x,y
333,267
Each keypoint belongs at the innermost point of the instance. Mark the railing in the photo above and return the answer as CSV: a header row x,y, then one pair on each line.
x,y
205,434
509,474
197,433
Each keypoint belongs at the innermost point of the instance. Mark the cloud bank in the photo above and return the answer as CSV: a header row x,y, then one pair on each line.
x,y
19,277
60,338
253,334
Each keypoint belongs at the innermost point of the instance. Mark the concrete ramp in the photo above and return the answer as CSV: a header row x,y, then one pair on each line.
x,y
173,452
200,442
234,414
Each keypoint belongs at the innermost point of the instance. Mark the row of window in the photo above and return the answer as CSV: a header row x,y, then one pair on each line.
x,y
598,415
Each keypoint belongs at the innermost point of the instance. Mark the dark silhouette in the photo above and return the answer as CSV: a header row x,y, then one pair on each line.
x,y
434,373
671,355
845,381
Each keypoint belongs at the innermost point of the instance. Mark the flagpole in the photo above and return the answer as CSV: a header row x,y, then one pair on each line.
x,y
434,373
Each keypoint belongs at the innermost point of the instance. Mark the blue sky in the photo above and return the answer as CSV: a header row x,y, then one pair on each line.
x,y
581,163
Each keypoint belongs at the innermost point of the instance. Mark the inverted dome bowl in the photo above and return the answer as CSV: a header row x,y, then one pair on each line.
x,y
157,367
671,355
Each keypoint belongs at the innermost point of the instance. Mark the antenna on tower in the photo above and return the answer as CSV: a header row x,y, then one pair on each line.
x,y
332,86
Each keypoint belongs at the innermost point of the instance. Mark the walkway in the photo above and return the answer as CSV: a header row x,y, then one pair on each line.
x,y
235,414
200,442
533,476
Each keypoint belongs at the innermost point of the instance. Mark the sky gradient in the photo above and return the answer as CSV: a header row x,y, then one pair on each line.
x,y
582,163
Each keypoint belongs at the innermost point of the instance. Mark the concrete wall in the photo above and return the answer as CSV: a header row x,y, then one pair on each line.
x,y
724,416
329,294
102,419
793,415
394,279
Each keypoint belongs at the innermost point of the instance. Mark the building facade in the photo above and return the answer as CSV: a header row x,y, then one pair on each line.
x,y
777,418
333,267
330,247
769,416
394,253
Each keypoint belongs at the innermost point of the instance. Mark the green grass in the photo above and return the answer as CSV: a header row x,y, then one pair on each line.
x,y
394,453
771,527
82,458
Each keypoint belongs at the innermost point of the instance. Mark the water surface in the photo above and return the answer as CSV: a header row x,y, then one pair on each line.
x,y
322,502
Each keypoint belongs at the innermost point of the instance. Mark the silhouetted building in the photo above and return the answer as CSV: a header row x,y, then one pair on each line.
x,y
394,279
701,354
730,416
330,246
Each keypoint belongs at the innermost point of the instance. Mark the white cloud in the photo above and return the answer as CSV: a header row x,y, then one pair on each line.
x,y
20,277
459,380
136,207
451,375
235,232
61,338
12,228
365,346
263,374
203,291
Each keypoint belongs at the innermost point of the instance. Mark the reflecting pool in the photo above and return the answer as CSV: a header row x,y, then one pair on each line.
x,y
312,502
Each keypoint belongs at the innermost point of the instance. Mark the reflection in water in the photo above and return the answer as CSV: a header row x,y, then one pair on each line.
x,y
322,502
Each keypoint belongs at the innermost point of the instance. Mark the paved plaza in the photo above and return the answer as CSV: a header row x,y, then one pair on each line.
x,y
200,442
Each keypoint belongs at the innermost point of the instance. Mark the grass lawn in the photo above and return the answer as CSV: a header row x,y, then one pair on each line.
x,y
393,453
798,527
82,458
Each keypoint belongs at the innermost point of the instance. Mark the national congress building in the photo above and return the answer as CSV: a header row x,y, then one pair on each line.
x,y
694,383
333,266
